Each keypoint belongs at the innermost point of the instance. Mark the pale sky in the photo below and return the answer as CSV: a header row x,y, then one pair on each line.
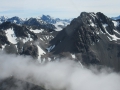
x,y
58,8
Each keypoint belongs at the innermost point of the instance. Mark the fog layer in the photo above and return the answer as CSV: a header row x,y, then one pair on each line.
x,y
65,75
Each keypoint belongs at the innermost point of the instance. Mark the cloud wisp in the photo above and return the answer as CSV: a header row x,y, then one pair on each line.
x,y
63,75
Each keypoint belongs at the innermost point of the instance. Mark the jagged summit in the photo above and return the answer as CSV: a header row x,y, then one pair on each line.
x,y
92,36
16,20
48,19
87,30
58,23
52,20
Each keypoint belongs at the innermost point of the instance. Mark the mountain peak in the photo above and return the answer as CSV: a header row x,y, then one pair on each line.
x,y
88,35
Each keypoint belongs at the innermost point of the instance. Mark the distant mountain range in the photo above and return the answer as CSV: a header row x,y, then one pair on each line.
x,y
53,23
116,18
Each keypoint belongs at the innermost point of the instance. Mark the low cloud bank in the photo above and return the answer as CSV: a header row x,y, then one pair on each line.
x,y
63,75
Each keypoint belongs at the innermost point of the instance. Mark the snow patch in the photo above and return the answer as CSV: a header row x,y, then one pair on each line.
x,y
37,30
111,37
40,52
116,32
15,21
105,25
3,46
73,56
41,39
116,23
11,35
49,59
47,37
50,48
80,64
60,23
97,32
26,39
92,24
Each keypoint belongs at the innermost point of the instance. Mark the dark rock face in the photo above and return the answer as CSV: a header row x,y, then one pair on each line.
x,y
30,50
3,38
18,39
93,36
12,83
10,49
81,32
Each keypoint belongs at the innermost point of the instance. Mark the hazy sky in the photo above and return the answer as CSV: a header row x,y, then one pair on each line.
x,y
58,8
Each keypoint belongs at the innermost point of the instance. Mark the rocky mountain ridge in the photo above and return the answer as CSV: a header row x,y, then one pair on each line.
x,y
91,38
43,21
87,39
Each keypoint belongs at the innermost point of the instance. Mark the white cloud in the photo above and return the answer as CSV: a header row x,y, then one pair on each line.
x,y
64,75
109,7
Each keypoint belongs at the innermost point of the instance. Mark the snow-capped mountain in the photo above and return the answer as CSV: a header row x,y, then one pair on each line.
x,y
26,40
52,20
91,38
38,23
58,23
16,20
45,21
